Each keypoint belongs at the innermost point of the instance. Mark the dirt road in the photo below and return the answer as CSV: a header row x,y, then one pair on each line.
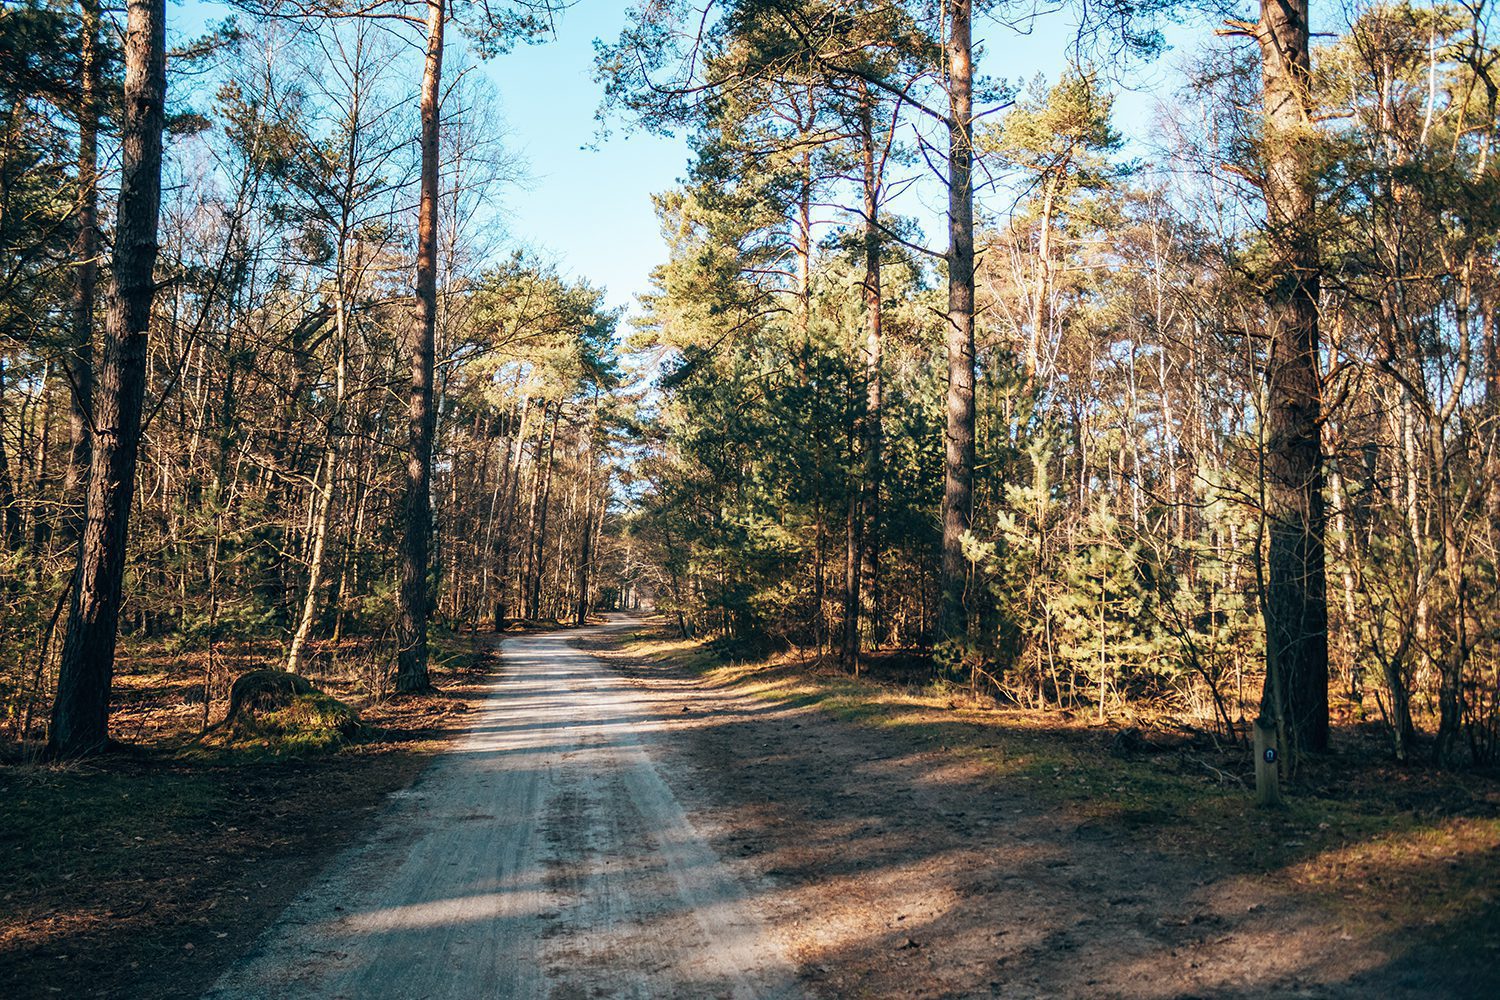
x,y
545,857
618,828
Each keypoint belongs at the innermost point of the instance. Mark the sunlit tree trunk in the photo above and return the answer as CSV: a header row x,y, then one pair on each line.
x,y
86,252
80,714
1296,608
958,485
415,602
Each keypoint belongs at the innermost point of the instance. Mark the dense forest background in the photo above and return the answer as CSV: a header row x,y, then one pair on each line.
x,y
1129,414
268,521
941,366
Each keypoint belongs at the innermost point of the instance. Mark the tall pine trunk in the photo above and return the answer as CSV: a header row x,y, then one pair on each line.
x,y
80,714
864,504
80,359
958,480
1296,602
415,603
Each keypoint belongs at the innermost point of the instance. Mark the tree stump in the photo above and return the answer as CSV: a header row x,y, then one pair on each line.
x,y
264,691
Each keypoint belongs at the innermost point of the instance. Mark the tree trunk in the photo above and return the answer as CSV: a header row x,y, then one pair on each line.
x,y
9,502
874,375
524,571
333,452
510,506
853,546
1451,509
958,482
534,597
80,714
1343,532
1296,603
586,542
10,506
865,504
86,253
1043,281
585,558
411,622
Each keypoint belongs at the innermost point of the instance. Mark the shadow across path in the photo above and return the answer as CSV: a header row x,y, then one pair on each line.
x,y
544,856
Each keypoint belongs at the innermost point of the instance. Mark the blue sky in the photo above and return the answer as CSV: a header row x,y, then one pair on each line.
x,y
589,209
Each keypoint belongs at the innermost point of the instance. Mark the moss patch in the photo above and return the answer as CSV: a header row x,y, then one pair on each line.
x,y
280,714
311,723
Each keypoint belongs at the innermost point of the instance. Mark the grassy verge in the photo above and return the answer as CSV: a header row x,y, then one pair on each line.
x,y
141,873
1390,850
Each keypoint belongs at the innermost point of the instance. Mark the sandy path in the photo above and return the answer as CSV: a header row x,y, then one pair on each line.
x,y
544,857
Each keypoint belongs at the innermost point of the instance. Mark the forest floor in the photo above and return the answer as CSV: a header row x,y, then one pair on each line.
x,y
143,872
917,844
646,819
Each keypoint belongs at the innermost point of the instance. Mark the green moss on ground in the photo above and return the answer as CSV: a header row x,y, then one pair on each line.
x,y
311,723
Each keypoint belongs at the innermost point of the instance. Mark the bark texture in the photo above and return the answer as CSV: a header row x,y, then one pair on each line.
x,y
958,484
1296,601
80,714
416,542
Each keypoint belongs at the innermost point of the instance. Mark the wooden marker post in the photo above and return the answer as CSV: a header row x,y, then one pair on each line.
x,y
1267,764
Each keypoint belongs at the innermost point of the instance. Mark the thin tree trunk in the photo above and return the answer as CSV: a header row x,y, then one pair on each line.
x,y
586,543
415,603
874,374
534,598
1043,284
1343,532
958,480
1450,510
853,546
10,507
585,558
510,506
80,714
323,511
864,508
523,575
86,252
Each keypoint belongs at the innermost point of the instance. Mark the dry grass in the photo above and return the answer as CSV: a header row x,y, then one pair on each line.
x,y
143,872
1393,849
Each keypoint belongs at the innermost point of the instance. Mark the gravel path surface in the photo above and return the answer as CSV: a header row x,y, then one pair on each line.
x,y
544,857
